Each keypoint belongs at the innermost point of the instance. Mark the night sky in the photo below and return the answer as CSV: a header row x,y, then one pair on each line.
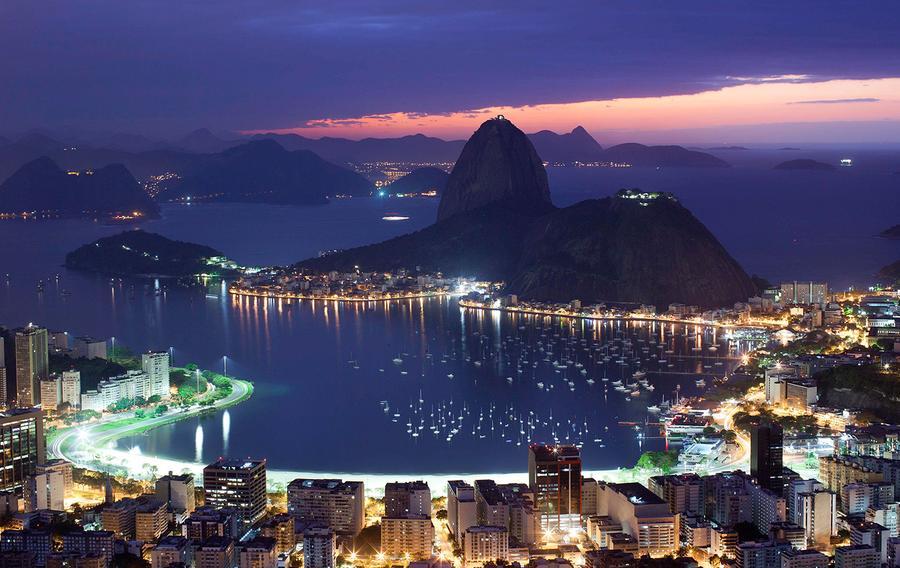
x,y
164,67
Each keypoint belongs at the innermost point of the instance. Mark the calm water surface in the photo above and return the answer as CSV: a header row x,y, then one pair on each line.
x,y
380,388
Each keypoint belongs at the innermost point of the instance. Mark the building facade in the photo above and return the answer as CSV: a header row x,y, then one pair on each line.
x,y
239,485
22,446
338,505
554,476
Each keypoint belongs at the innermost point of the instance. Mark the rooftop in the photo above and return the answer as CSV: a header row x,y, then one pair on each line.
x,y
324,484
637,493
547,452
235,464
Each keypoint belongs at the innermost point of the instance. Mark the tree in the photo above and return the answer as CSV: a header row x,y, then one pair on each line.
x,y
663,461
160,410
154,399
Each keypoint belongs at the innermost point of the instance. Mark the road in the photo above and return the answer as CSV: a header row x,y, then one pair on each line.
x,y
72,444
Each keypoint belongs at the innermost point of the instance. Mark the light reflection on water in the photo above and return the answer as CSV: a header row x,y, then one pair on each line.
x,y
313,411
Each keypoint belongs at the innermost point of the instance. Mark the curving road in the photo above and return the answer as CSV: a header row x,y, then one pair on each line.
x,y
92,438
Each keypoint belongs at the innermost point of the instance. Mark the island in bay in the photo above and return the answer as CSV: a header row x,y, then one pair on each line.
x,y
140,253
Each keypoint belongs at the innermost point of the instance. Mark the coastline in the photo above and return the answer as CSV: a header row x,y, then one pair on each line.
x,y
619,316
89,446
83,444
234,291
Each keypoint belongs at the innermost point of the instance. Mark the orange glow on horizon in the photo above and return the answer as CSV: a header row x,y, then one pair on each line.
x,y
775,101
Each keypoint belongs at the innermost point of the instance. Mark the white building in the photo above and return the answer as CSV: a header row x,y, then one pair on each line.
x,y
817,513
89,348
462,511
804,559
776,378
318,548
407,498
485,544
51,392
336,504
110,391
410,537
45,491
156,365
178,492
71,388
643,516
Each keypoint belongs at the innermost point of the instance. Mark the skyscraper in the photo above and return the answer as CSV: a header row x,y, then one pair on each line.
x,y
554,475
22,446
27,359
3,374
238,484
766,456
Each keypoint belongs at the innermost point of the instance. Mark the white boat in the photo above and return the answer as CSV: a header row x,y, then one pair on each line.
x,y
653,409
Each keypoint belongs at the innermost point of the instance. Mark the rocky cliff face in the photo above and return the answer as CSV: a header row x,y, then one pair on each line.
x,y
497,165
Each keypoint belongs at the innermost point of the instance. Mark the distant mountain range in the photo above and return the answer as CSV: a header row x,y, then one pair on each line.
x,y
661,156
146,157
805,164
287,168
263,171
43,188
496,221
576,146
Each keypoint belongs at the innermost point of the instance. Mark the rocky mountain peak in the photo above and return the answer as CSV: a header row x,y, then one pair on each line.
x,y
498,165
